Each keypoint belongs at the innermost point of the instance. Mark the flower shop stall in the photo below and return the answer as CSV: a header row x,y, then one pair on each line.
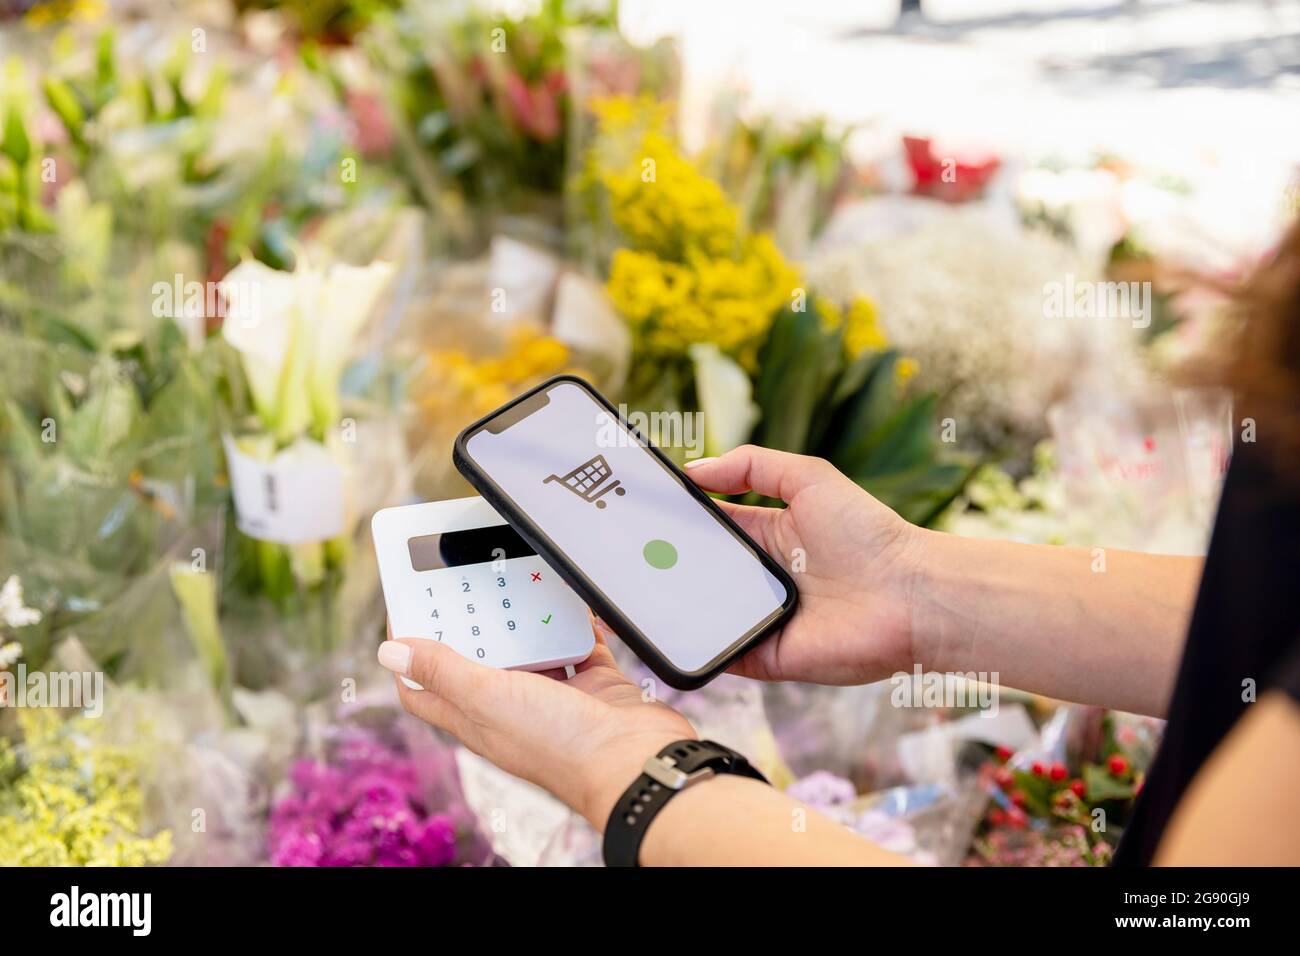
x,y
259,264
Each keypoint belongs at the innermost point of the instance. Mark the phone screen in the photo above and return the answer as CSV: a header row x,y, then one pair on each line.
x,y
684,578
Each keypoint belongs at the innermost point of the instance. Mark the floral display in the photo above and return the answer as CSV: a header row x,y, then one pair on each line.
x,y
261,262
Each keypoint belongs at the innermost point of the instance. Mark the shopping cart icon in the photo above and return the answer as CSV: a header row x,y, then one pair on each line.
x,y
587,481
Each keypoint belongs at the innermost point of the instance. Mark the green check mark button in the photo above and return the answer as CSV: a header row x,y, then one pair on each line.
x,y
547,619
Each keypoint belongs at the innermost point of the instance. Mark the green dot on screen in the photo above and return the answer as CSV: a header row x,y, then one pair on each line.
x,y
660,554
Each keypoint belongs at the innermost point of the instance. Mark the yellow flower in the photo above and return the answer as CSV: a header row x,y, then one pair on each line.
x,y
862,332
54,11
458,388
72,798
688,274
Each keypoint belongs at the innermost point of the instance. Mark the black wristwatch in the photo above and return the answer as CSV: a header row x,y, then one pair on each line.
x,y
664,775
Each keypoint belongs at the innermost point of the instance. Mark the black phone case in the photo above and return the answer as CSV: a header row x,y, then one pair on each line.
x,y
576,579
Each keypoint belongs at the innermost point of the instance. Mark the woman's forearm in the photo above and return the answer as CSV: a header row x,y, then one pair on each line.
x,y
735,821
1094,625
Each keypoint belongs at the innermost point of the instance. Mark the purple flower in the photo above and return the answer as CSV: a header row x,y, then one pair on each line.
x,y
822,789
364,807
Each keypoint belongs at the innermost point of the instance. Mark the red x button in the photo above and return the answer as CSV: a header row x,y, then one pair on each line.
x,y
537,575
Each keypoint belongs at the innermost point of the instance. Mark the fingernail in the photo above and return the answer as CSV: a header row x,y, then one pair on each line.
x,y
696,462
394,656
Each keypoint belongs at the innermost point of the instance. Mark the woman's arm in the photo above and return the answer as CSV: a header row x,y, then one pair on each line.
x,y
735,821
877,595
1240,808
1095,625
585,740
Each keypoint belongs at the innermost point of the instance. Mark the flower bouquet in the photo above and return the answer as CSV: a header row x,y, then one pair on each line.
x,y
483,102
723,324
292,454
109,473
786,178
380,791
1065,801
70,795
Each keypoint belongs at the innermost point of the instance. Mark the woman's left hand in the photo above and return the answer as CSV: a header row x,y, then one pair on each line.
x,y
584,739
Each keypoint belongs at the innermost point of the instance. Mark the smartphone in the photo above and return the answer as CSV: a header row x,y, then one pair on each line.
x,y
651,553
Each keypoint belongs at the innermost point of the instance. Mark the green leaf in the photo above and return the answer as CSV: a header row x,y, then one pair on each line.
x,y
209,104
904,441
16,144
105,66
796,361
8,176
65,105
1102,785
921,494
1037,791
868,393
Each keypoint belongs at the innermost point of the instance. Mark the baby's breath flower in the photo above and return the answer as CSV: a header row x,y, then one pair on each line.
x,y
12,611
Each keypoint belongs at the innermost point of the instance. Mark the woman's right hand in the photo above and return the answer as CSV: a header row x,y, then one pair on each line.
x,y
853,559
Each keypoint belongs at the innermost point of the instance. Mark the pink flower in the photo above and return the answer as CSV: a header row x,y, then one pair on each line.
x,y
535,109
372,133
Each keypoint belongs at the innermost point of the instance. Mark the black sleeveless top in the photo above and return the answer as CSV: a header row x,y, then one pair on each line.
x,y
1246,626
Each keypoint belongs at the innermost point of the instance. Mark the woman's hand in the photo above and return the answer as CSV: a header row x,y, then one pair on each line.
x,y
852,558
584,739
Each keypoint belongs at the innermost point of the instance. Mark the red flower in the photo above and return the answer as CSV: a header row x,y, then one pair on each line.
x,y
1058,772
950,178
1017,819
1038,769
1117,765
1018,798
1078,788
1004,753
1004,778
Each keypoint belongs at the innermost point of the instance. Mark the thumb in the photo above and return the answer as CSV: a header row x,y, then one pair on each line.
x,y
437,668
776,474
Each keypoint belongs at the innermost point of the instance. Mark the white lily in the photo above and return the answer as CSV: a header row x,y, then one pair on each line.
x,y
293,332
726,398
347,297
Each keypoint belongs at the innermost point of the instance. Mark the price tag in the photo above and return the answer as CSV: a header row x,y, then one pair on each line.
x,y
297,497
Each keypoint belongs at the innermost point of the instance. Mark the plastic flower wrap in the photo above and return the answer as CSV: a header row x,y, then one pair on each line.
x,y
70,797
109,467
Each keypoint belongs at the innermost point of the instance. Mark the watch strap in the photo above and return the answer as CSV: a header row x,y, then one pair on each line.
x,y
673,769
